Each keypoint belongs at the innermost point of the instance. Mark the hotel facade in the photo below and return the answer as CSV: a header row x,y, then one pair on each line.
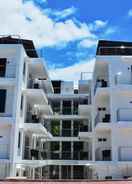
x,y
50,130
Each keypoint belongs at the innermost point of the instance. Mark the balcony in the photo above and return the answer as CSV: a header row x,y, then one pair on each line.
x,y
101,78
36,111
103,154
41,83
101,86
67,131
37,68
40,154
68,155
102,120
37,129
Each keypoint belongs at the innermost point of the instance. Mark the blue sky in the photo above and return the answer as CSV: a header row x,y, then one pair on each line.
x,y
67,31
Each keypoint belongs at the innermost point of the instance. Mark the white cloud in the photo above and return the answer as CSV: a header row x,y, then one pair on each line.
x,y
130,13
110,30
97,24
65,13
87,43
73,72
42,29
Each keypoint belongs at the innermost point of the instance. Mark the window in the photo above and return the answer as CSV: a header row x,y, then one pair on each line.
x,y
55,127
21,103
56,107
55,150
24,69
56,86
108,177
66,150
66,128
2,100
67,107
19,139
2,66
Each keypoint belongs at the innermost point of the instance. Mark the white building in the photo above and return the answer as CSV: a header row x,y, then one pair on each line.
x,y
112,110
49,130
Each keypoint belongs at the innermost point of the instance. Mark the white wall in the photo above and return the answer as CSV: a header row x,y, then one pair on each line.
x,y
122,101
9,105
4,142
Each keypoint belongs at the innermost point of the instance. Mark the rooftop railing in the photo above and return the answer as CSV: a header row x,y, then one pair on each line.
x,y
115,50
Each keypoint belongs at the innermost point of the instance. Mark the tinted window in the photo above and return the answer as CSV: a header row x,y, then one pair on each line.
x,y
2,100
2,67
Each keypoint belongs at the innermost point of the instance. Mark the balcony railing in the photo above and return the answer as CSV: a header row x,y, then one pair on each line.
x,y
37,154
6,115
68,132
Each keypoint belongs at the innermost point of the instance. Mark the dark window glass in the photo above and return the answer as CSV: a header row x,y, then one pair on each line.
x,y
75,107
56,107
21,102
55,127
66,172
54,172
2,67
78,172
24,69
108,177
56,86
106,154
19,140
66,128
54,150
67,107
66,150
2,100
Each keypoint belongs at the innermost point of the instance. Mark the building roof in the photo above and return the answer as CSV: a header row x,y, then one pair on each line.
x,y
27,44
106,47
64,182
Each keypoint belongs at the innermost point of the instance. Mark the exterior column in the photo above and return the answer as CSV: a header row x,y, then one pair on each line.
x,y
60,172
